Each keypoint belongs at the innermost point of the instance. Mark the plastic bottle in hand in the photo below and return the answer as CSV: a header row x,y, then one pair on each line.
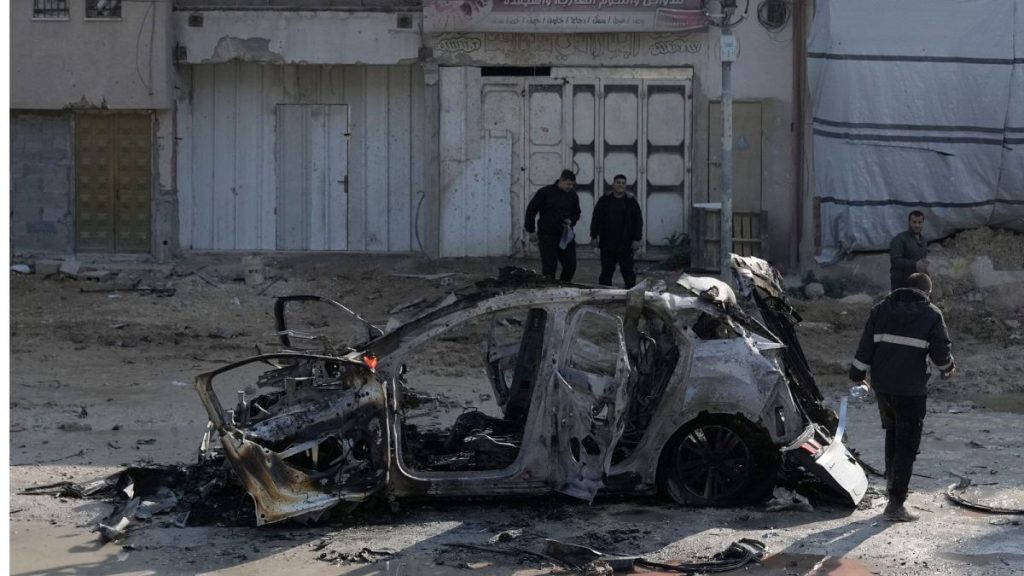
x,y
859,391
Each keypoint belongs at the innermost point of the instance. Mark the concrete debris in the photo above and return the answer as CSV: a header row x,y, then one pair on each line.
x,y
364,556
253,266
21,269
814,290
97,275
783,499
47,267
70,267
208,278
583,558
857,299
506,536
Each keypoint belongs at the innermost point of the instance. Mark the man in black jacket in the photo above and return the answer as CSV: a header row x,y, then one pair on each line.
x,y
908,252
559,210
902,333
616,229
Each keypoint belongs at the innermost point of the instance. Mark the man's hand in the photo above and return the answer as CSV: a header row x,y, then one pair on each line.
x,y
635,245
533,237
921,266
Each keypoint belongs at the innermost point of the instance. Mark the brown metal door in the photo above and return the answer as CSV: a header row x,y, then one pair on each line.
x,y
113,170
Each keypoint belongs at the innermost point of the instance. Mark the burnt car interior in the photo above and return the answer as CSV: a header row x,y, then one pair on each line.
x,y
508,347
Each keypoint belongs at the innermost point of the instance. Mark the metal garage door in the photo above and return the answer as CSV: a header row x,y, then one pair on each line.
x,y
113,177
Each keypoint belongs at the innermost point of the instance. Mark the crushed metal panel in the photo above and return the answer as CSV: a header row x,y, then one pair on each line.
x,y
828,459
318,438
592,400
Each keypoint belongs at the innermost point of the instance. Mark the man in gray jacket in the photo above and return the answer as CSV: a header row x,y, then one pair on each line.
x,y
902,333
908,252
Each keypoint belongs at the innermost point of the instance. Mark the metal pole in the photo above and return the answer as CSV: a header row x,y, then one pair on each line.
x,y
728,55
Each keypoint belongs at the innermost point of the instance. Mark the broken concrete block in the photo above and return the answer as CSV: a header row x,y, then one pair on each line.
x,y
814,290
857,299
47,267
253,266
21,269
70,267
95,274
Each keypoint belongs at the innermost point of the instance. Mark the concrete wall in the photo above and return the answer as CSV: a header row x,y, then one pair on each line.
x,y
79,63
298,37
42,173
762,73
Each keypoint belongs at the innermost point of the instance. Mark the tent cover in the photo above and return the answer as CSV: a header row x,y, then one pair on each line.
x,y
917,104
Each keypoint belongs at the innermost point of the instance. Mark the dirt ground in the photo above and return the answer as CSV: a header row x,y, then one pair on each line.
x,y
102,378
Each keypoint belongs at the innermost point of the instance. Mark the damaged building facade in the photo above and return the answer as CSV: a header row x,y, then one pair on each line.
x,y
398,126
92,127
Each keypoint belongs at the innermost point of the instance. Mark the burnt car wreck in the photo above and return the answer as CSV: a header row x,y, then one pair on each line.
x,y
532,387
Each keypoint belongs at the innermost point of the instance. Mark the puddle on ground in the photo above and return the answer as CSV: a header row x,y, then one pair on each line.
x,y
802,564
1012,402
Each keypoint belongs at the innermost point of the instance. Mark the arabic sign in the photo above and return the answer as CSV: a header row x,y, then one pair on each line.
x,y
565,16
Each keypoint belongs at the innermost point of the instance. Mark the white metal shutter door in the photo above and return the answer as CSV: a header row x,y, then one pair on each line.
x,y
585,131
312,156
545,134
621,136
666,161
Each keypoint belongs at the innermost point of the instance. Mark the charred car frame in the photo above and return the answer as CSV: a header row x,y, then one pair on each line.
x,y
591,390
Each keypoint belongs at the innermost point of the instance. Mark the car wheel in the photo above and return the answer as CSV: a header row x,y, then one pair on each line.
x,y
719,461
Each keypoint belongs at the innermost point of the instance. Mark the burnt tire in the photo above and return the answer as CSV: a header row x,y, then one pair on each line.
x,y
719,461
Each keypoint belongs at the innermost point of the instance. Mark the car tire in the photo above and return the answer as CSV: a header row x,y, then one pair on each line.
x,y
719,461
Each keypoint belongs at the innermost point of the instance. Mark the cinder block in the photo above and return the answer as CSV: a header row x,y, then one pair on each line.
x,y
71,267
45,267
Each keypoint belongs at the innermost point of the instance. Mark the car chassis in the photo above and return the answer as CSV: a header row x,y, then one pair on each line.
x,y
601,390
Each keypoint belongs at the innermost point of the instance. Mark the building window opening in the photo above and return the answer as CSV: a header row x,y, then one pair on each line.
x,y
102,8
50,9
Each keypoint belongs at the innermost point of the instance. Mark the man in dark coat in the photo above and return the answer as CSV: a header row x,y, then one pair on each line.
x,y
559,210
908,252
901,334
616,229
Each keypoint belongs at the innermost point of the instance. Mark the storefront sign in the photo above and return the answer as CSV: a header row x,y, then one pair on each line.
x,y
564,16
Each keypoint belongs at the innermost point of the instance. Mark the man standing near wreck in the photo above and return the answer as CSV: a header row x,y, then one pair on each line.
x,y
908,252
902,332
559,210
616,228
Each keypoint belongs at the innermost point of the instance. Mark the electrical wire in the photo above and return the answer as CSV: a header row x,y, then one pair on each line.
x,y
721,22
138,40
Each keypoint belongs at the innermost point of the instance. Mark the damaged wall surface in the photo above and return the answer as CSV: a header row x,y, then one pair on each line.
x,y
479,105
300,157
903,121
42,172
76,62
298,37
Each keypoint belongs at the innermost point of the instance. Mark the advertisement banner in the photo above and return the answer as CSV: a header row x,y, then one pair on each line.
x,y
562,16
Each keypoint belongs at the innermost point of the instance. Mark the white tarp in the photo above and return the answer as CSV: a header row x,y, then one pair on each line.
x,y
917,104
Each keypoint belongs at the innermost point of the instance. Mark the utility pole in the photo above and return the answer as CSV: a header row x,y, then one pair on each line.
x,y
729,51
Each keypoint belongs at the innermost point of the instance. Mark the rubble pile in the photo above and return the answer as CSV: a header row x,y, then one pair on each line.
x,y
1004,247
